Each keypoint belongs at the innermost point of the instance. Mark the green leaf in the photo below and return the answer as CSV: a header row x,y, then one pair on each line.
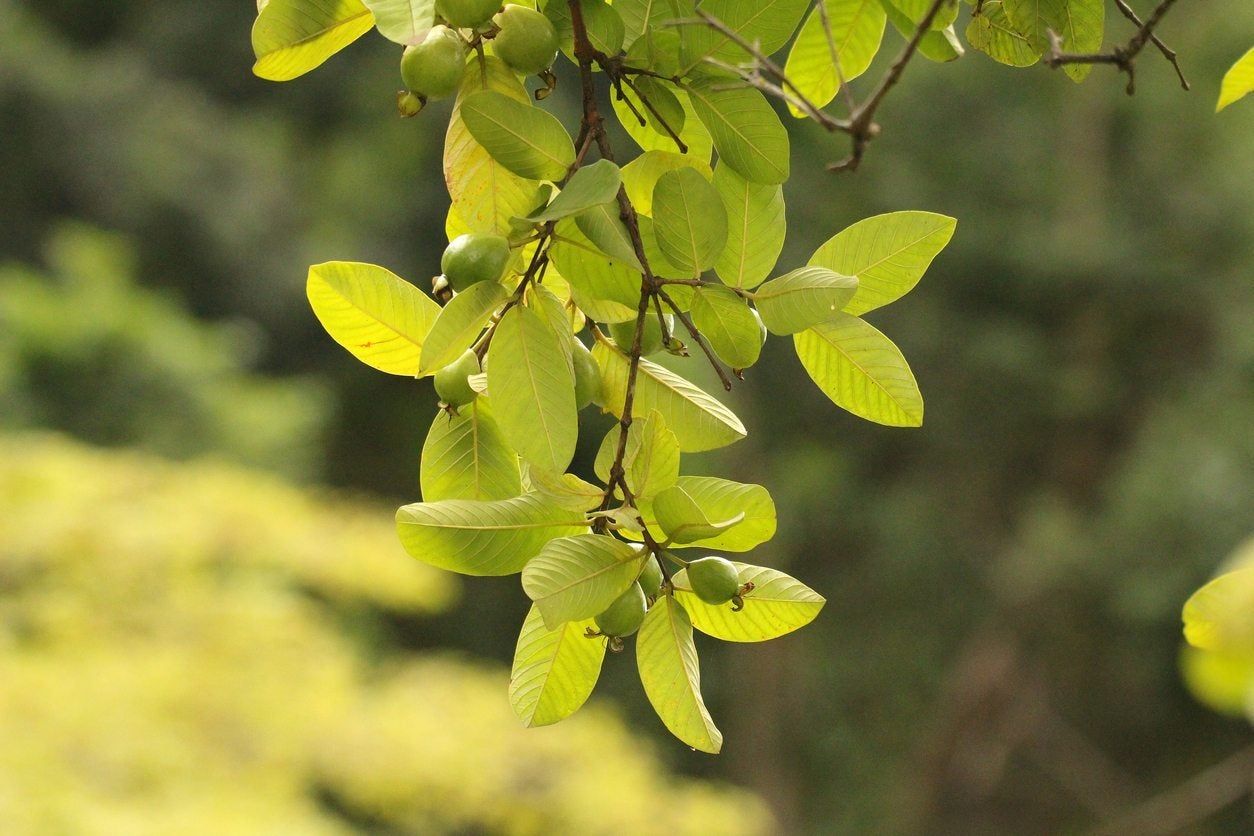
x,y
640,176
941,45
887,253
671,675
1238,81
1223,682
292,37
554,671
698,420
755,228
747,133
650,459
486,197
606,290
689,220
693,133
604,227
466,457
403,21
484,538
1080,24
1220,615
379,317
727,322
565,489
721,499
526,140
589,186
640,16
776,606
857,28
803,298
768,23
533,389
992,33
915,10
459,322
683,520
657,102
574,578
861,371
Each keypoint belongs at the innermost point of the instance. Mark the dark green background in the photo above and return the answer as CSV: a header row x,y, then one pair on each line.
x,y
999,649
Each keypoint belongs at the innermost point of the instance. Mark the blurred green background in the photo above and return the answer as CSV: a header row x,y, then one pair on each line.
x,y
206,625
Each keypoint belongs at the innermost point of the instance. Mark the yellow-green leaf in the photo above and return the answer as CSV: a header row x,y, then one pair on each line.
x,y
578,577
527,140
728,324
466,457
533,389
803,298
484,538
554,671
1220,615
650,459
857,29
292,37
682,519
777,605
861,371
403,21
1238,81
640,176
991,32
721,499
459,322
690,221
887,253
698,420
671,675
755,228
379,317
747,133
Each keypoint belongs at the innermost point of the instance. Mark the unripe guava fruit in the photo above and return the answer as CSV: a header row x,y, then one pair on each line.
x,y
587,376
475,257
650,579
451,382
713,579
625,615
527,42
650,341
467,14
434,68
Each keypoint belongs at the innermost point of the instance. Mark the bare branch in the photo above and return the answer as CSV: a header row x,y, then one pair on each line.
x,y
1123,57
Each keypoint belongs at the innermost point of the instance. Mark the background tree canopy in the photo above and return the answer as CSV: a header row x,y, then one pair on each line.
x,y
1004,585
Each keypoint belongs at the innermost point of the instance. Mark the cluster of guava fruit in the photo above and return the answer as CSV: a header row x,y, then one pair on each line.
x,y
434,67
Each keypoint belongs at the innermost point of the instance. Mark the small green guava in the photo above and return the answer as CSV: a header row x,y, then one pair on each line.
x,y
452,382
714,579
625,615
650,579
467,14
434,68
527,42
475,257
587,376
624,333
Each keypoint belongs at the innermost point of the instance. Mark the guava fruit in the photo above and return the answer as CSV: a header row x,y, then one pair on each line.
x,y
587,376
650,579
713,579
527,42
475,257
434,68
467,14
451,382
625,615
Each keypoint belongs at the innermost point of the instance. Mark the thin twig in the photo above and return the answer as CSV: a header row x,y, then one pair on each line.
x,y
697,338
1169,54
1123,57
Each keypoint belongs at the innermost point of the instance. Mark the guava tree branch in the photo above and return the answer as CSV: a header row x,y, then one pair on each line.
x,y
1123,57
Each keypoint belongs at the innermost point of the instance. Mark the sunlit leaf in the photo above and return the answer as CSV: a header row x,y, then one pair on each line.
x,y
466,457
379,317
857,29
689,220
1220,615
767,23
640,176
459,322
992,33
484,538
861,371
727,322
403,21
747,133
698,420
755,228
589,186
533,389
887,253
777,605
1079,24
650,458
528,141
574,578
1238,81
683,520
671,675
606,290
721,499
604,227
292,37
554,671
803,298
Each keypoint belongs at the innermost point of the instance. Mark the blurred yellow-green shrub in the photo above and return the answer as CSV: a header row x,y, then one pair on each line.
x,y
174,660
1218,658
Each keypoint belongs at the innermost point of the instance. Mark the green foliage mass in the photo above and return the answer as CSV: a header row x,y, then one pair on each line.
x,y
179,658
